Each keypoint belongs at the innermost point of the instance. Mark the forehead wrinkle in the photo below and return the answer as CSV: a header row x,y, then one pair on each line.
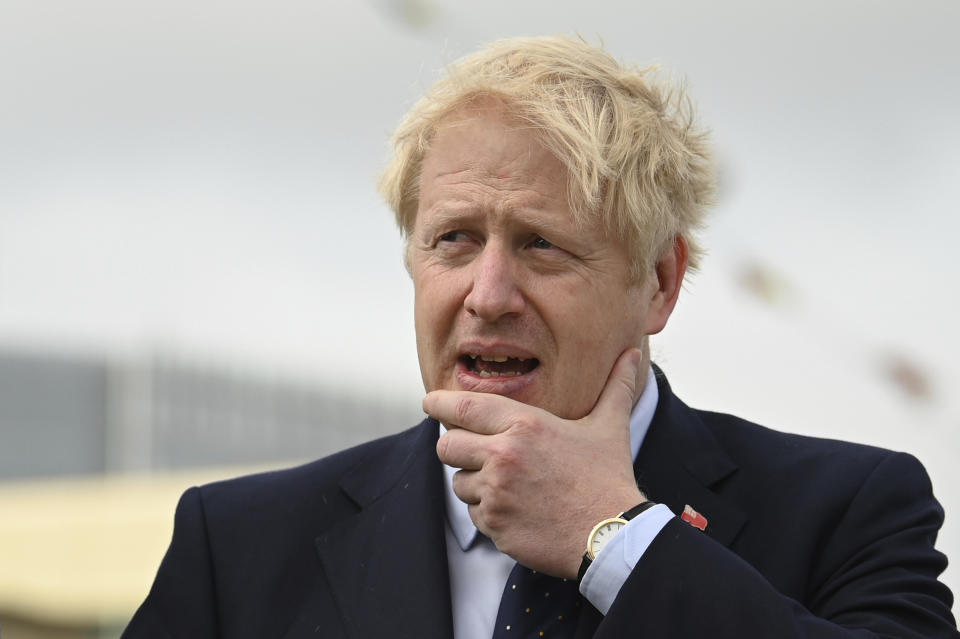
x,y
514,179
524,207
520,156
491,193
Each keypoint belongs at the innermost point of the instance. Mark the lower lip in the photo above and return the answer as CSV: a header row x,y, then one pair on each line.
x,y
512,386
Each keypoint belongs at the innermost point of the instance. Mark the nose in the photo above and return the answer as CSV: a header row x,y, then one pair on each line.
x,y
495,292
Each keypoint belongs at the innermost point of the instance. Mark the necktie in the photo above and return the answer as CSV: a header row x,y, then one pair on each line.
x,y
536,605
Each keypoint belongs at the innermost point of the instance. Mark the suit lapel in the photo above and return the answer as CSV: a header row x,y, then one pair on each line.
x,y
387,564
681,464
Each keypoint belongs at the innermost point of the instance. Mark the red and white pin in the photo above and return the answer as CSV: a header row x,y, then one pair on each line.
x,y
693,518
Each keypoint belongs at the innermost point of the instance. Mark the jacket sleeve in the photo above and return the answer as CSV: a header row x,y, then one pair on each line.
x,y
182,600
875,576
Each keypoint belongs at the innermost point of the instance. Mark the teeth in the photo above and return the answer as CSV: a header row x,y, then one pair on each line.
x,y
505,374
496,358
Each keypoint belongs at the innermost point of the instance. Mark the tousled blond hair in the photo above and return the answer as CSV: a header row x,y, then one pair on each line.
x,y
630,146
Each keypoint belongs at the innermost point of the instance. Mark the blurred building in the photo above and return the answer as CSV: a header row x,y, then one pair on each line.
x,y
64,416
94,453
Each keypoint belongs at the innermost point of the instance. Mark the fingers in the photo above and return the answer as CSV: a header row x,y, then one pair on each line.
x,y
623,388
462,449
477,412
466,486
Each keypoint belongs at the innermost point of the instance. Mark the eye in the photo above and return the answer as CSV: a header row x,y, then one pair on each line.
x,y
451,243
453,236
540,243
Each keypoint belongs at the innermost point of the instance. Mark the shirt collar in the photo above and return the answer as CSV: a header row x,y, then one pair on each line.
x,y
458,516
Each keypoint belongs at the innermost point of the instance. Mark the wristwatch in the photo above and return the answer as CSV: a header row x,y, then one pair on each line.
x,y
604,531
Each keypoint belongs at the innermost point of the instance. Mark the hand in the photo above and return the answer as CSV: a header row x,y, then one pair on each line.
x,y
534,483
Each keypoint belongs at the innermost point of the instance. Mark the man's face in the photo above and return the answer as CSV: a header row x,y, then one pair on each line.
x,y
511,296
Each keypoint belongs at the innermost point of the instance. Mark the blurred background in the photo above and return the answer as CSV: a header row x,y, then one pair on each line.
x,y
197,278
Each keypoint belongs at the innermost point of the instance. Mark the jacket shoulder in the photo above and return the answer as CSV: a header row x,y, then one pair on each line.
x,y
306,485
776,453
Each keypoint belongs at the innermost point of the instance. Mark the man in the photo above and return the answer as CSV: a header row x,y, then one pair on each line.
x,y
549,199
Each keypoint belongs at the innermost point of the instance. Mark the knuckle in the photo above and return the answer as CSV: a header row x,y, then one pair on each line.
x,y
526,424
505,455
478,515
443,447
463,409
496,484
495,514
498,493
494,521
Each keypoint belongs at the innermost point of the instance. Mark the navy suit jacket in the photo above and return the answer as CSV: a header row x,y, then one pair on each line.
x,y
804,538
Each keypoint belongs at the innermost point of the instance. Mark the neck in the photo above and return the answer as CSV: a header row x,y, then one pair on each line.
x,y
644,367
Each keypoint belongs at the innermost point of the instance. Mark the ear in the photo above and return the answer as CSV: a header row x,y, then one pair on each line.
x,y
669,272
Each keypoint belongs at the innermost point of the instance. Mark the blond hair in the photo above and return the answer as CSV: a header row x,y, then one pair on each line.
x,y
630,146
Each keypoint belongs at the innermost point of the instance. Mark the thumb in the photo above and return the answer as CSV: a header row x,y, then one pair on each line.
x,y
623,387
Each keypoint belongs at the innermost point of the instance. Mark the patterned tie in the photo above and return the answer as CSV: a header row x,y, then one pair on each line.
x,y
535,605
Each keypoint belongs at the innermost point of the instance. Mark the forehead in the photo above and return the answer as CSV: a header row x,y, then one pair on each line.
x,y
484,136
482,154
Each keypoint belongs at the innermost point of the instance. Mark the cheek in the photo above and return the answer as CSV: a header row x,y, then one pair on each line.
x,y
624,316
594,336
434,304
429,343
426,324
435,312
586,357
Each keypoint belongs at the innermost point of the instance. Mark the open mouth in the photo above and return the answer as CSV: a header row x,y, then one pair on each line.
x,y
498,365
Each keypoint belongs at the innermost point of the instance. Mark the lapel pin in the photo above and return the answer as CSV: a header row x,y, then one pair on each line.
x,y
693,518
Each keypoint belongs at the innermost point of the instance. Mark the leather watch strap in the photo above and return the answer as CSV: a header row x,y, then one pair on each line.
x,y
636,510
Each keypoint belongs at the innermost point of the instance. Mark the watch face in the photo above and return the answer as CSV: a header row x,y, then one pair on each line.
x,y
603,533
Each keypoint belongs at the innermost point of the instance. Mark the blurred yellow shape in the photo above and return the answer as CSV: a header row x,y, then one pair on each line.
x,y
82,551
766,285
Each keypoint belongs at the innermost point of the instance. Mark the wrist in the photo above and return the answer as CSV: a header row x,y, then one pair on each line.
x,y
605,530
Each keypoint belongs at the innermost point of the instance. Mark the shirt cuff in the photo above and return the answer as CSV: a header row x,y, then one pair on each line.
x,y
609,571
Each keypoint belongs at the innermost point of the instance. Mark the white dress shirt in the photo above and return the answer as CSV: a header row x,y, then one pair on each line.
x,y
478,571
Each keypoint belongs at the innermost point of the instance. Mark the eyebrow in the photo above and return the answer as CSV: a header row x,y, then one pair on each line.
x,y
447,214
